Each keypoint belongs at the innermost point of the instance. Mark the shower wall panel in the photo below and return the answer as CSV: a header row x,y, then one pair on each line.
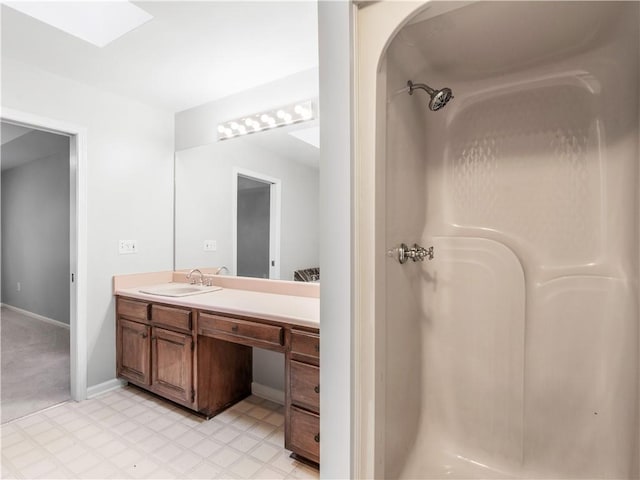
x,y
515,351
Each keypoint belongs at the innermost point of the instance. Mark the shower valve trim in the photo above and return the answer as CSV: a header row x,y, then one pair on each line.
x,y
415,253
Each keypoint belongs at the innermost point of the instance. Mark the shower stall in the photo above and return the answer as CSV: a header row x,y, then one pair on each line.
x,y
514,351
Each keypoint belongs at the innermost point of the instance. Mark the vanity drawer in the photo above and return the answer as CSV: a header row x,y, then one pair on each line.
x,y
305,434
240,331
305,346
133,309
176,318
305,385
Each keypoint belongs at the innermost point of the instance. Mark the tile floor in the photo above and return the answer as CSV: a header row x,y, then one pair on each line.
x,y
128,433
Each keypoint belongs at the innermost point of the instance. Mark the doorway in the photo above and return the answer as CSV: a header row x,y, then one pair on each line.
x,y
77,237
256,226
35,270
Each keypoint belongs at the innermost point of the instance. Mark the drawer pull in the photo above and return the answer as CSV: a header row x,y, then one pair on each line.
x,y
234,328
317,438
316,347
316,389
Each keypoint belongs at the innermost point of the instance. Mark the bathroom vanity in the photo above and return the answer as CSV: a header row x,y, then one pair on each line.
x,y
197,350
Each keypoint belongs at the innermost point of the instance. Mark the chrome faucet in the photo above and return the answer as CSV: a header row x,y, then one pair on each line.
x,y
217,272
193,280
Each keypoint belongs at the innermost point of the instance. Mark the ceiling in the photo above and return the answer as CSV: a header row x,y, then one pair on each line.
x,y
9,132
190,53
281,142
22,145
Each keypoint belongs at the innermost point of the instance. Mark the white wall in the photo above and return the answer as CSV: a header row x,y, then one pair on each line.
x,y
336,250
197,126
130,184
35,236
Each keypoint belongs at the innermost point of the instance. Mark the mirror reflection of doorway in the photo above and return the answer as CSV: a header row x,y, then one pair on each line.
x,y
257,226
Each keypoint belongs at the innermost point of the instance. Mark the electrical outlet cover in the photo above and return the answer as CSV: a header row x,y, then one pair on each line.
x,y
127,247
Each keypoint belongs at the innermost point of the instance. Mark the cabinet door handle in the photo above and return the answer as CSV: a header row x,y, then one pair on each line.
x,y
144,335
316,389
317,438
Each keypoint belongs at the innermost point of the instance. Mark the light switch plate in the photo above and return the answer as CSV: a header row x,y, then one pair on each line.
x,y
210,246
127,247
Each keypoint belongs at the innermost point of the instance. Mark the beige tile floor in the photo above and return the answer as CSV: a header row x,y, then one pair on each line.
x,y
128,433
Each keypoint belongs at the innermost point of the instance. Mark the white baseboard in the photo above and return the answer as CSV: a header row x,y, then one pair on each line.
x,y
104,387
36,316
267,393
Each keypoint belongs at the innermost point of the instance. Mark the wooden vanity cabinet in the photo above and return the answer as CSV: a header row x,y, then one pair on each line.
x,y
302,409
155,349
203,360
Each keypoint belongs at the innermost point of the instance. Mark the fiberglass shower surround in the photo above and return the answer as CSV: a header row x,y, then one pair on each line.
x,y
514,352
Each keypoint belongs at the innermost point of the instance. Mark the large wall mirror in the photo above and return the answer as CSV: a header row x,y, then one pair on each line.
x,y
250,203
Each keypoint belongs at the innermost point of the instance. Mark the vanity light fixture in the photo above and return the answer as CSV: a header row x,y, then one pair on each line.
x,y
278,117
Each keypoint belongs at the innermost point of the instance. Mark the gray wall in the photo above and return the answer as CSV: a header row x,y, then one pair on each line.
x,y
35,236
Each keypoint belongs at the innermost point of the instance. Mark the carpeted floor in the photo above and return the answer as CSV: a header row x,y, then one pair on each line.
x,y
35,365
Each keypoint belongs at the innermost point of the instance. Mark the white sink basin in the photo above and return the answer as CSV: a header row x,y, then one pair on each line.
x,y
178,289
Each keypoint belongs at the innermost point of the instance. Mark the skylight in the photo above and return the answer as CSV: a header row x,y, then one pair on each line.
x,y
99,23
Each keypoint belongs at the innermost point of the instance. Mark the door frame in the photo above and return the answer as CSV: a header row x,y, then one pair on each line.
x,y
275,218
78,237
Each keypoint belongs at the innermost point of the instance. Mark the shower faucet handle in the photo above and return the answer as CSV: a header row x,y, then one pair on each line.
x,y
415,253
422,253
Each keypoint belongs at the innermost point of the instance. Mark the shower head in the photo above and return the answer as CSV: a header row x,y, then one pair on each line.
x,y
439,98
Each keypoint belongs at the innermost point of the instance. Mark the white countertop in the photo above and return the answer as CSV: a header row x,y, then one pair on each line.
x,y
291,309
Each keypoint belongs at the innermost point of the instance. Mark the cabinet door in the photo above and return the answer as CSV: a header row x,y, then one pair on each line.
x,y
132,351
172,365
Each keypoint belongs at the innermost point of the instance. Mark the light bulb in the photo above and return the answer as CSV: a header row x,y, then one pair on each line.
x,y
221,128
280,114
234,125
242,129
